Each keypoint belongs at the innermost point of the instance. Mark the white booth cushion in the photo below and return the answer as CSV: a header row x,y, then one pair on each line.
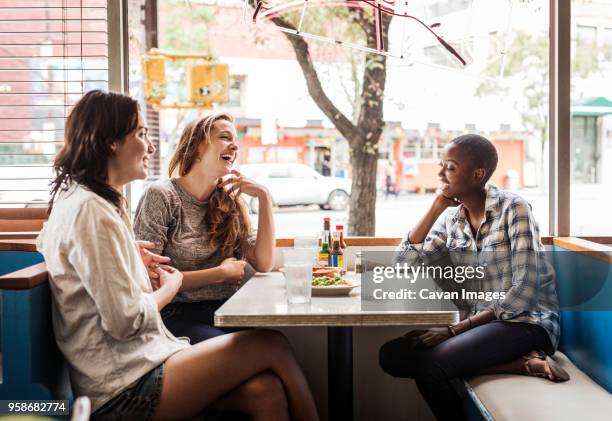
x,y
514,397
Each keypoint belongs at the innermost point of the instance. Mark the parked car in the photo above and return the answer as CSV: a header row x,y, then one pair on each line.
x,y
298,184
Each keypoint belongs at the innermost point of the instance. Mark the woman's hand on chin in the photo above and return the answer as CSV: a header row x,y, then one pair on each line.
x,y
442,201
236,184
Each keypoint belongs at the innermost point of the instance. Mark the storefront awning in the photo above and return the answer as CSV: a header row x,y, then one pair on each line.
x,y
594,107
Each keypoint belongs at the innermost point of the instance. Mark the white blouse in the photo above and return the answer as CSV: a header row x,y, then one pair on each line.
x,y
105,319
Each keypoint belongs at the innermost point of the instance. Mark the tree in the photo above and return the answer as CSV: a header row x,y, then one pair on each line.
x,y
364,129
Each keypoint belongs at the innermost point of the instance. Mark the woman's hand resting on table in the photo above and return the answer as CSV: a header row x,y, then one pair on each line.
x,y
232,270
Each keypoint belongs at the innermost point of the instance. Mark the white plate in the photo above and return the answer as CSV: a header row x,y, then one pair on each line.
x,y
332,290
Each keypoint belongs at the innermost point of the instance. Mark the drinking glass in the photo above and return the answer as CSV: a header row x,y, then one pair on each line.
x,y
305,242
298,274
310,243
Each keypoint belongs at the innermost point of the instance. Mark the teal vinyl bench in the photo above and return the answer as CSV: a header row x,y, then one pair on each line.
x,y
584,280
31,365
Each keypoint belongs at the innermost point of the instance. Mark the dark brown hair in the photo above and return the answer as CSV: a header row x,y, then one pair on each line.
x,y
227,218
96,121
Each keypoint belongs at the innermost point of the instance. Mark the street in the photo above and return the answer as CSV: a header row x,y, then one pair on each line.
x,y
395,216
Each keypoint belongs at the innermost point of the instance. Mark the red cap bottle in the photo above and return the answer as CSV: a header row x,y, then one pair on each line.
x,y
340,228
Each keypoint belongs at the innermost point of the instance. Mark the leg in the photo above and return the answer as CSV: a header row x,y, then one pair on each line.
x,y
401,358
198,376
465,354
261,397
182,320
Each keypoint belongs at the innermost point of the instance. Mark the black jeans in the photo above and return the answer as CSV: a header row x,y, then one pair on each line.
x,y
193,320
437,369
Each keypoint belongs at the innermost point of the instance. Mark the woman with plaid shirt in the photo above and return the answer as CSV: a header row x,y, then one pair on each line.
x,y
516,334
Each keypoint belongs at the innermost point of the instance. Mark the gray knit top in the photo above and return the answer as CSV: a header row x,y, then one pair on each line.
x,y
173,219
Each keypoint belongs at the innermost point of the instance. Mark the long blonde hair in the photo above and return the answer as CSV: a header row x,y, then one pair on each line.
x,y
227,218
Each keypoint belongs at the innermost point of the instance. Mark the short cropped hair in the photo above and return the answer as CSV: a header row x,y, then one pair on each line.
x,y
480,151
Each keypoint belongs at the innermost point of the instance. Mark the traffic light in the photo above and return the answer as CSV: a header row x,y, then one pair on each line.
x,y
207,83
154,79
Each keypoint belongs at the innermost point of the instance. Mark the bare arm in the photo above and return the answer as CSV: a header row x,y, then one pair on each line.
x,y
262,255
471,322
422,228
229,271
435,335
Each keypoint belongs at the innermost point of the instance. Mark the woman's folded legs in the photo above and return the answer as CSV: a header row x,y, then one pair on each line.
x,y
216,372
470,353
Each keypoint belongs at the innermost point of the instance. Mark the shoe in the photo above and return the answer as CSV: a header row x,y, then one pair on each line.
x,y
554,373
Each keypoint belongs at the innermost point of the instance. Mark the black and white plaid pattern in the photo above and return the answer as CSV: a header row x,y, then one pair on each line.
x,y
508,243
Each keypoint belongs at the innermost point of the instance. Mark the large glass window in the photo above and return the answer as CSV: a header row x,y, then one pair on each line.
x,y
591,129
429,99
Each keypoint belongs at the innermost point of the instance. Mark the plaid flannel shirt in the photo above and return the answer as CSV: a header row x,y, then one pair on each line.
x,y
508,241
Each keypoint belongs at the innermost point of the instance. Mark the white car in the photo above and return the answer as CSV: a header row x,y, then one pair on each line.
x,y
298,184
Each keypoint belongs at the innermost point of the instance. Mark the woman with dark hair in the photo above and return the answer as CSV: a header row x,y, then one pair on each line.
x,y
515,334
198,219
105,313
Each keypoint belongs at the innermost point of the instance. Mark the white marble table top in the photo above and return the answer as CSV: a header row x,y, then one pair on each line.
x,y
262,301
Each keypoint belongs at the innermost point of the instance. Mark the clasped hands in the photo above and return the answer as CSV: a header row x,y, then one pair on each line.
x,y
231,269
154,263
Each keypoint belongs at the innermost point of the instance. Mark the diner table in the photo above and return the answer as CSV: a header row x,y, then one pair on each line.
x,y
262,302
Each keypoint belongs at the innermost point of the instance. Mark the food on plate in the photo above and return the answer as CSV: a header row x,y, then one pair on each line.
x,y
329,271
326,281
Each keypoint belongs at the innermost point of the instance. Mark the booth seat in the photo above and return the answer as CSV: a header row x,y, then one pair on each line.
x,y
584,281
31,364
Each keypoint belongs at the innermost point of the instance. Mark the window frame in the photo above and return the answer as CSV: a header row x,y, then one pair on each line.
x,y
559,117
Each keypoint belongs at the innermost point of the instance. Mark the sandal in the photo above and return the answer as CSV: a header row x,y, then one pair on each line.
x,y
554,372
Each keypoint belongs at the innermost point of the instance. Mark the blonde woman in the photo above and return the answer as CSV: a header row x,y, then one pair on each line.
x,y
198,220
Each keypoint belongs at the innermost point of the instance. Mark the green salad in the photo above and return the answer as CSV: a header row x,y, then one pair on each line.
x,y
326,281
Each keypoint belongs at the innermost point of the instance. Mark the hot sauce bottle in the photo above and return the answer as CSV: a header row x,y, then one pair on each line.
x,y
327,230
324,255
324,252
336,255
340,228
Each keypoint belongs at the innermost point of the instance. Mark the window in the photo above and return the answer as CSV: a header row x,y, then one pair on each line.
x,y
591,129
586,36
237,90
607,40
437,54
51,53
496,88
444,7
